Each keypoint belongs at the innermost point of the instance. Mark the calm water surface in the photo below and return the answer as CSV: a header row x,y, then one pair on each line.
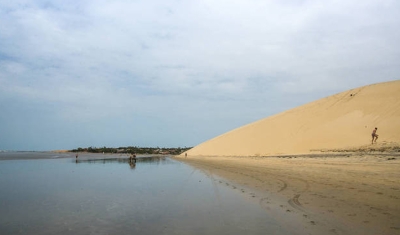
x,y
157,195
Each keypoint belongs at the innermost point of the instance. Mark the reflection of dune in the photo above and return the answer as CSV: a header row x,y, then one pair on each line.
x,y
344,120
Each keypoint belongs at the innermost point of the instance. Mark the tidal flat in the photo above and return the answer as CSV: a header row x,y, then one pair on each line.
x,y
55,193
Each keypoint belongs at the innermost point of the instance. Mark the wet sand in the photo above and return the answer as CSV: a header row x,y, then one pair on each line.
x,y
108,196
347,193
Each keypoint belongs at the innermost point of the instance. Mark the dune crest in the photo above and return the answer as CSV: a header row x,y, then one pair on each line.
x,y
343,120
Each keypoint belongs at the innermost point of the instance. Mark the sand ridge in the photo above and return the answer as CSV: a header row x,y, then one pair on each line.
x,y
316,162
344,120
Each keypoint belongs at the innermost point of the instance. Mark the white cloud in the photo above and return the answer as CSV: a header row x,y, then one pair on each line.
x,y
232,60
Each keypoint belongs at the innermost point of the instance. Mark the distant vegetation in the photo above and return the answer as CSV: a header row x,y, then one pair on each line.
x,y
133,150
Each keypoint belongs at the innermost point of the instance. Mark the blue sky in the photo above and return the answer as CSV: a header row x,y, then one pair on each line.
x,y
177,73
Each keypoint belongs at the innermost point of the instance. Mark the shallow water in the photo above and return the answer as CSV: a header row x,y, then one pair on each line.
x,y
155,195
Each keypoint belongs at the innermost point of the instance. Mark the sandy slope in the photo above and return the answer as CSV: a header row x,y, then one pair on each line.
x,y
333,180
344,120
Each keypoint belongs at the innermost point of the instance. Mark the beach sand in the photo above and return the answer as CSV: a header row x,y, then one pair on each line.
x,y
344,120
348,193
316,162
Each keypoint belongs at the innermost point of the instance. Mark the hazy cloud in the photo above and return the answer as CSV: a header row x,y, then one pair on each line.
x,y
179,72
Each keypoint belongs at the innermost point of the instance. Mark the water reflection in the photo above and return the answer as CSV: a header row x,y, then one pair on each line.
x,y
161,196
132,162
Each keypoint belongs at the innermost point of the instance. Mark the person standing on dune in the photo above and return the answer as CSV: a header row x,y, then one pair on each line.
x,y
374,135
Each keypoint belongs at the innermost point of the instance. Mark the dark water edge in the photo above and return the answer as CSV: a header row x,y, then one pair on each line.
x,y
57,194
34,155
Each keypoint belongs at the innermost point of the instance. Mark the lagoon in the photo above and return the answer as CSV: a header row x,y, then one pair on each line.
x,y
49,193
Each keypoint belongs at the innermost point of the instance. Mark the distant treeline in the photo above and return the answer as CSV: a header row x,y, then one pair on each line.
x,y
133,150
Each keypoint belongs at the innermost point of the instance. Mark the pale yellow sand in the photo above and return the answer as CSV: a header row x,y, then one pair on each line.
x,y
340,121
355,192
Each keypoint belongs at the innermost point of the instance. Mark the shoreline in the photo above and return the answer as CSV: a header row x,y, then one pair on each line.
x,y
37,155
346,193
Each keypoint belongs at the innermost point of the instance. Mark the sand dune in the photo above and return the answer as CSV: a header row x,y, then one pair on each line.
x,y
344,120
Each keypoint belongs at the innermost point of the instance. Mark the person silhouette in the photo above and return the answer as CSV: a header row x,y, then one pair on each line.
x,y
374,135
